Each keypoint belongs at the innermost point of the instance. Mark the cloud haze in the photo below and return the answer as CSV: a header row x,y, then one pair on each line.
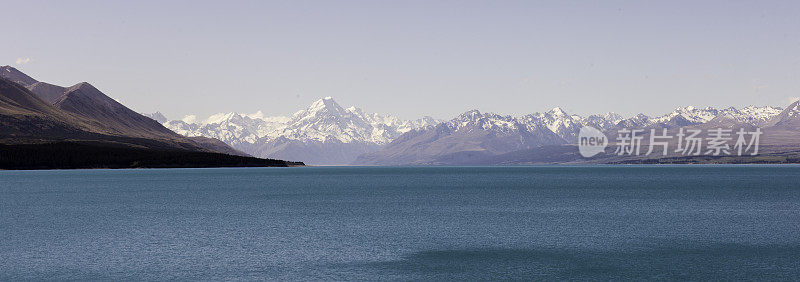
x,y
22,61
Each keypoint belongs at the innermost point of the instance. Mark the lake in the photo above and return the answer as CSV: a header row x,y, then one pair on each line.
x,y
402,223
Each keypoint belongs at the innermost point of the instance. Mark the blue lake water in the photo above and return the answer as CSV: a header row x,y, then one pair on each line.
x,y
402,223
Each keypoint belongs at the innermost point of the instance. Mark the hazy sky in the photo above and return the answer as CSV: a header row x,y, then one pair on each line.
x,y
412,58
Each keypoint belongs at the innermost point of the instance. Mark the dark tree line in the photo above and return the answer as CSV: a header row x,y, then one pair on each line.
x,y
71,155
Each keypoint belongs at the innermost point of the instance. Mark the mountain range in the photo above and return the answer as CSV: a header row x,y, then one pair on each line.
x,y
42,119
39,116
548,137
327,134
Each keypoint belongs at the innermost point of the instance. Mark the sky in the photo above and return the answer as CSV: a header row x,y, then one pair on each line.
x,y
412,58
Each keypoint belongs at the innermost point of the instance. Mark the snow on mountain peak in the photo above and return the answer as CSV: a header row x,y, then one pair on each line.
x,y
353,109
189,119
690,114
257,114
791,111
322,121
220,118
602,122
157,116
795,106
760,113
612,116
557,111
470,115
324,106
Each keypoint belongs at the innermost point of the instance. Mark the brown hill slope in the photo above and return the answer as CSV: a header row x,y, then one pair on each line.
x,y
86,101
84,108
37,135
88,115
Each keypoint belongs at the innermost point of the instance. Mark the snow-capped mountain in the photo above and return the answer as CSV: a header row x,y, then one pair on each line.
x,y
236,129
688,116
157,116
325,120
327,133
602,122
468,138
323,133
566,125
556,120
758,115
477,138
789,118
751,115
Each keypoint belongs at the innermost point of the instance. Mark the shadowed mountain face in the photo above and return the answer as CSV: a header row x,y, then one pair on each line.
x,y
16,99
26,118
47,91
86,101
82,113
789,118
784,129
217,146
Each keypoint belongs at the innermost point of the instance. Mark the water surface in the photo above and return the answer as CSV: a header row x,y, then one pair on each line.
x,y
420,223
